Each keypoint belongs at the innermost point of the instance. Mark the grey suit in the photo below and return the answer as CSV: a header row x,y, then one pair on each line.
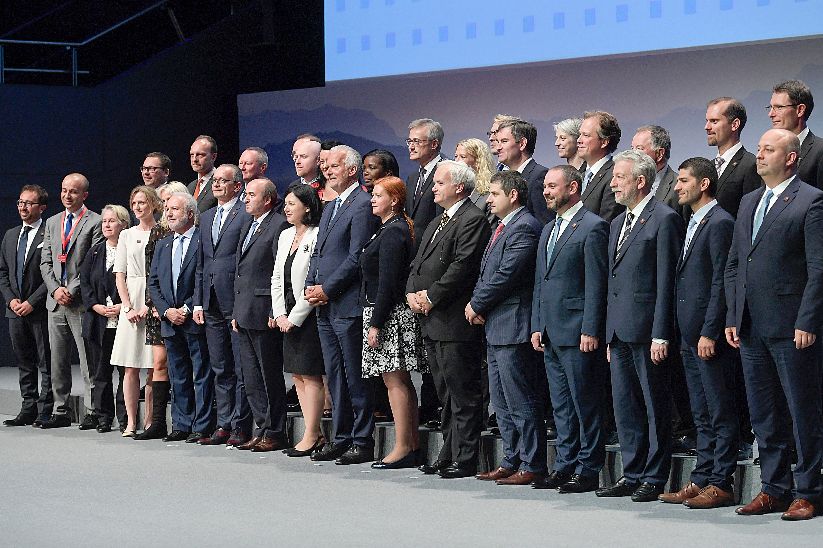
x,y
65,322
666,193
598,196
810,162
205,198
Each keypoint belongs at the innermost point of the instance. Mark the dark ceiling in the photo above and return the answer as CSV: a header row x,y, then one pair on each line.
x,y
103,49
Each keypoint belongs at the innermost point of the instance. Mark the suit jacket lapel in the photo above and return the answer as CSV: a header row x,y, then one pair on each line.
x,y
38,239
806,146
735,161
427,184
564,237
204,189
191,252
230,217
78,226
432,245
666,185
782,202
263,225
596,179
697,230
638,225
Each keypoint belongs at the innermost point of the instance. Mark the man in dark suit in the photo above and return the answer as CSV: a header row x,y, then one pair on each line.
x,y
68,237
24,292
261,349
443,274
501,301
736,170
214,302
568,324
515,147
599,136
790,107
644,243
171,287
333,285
202,156
701,311
774,287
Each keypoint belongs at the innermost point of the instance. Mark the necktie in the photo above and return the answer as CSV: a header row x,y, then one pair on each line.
x,y
21,257
337,202
689,234
497,231
501,166
761,212
249,236
626,228
177,261
421,180
718,163
215,227
443,220
553,240
67,229
197,187
586,180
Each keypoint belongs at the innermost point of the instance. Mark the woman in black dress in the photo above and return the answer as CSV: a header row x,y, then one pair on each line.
x,y
392,340
292,314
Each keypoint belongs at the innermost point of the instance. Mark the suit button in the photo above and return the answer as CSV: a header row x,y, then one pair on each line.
x,y
614,275
750,259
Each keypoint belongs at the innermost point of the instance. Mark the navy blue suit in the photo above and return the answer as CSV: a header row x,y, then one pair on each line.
x,y
773,287
189,369
503,297
214,291
534,174
701,311
335,266
640,307
569,301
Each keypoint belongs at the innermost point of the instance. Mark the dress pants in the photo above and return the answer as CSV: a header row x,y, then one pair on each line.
x,y
679,389
455,367
711,391
577,387
224,351
30,343
642,411
65,329
783,385
261,358
341,340
513,388
106,405
191,382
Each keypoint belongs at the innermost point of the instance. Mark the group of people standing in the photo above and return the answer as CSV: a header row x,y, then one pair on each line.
x,y
568,294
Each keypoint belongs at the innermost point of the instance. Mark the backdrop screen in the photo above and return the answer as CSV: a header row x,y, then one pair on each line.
x,y
367,38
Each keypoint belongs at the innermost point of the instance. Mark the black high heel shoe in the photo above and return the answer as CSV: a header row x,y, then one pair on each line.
x,y
409,461
293,452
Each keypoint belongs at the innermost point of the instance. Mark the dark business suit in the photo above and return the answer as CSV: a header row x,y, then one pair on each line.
x,y
205,198
96,284
214,291
810,160
773,287
447,266
503,297
598,196
534,174
668,195
189,370
701,312
335,266
29,334
261,348
739,178
569,301
423,209
640,307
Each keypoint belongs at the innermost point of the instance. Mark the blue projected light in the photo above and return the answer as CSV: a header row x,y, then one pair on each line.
x,y
367,38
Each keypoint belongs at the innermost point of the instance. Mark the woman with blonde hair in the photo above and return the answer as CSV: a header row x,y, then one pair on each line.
x,y
477,155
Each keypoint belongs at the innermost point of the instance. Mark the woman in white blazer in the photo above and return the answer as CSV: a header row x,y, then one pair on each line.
x,y
292,314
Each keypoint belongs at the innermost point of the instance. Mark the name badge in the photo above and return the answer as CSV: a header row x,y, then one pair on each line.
x,y
62,258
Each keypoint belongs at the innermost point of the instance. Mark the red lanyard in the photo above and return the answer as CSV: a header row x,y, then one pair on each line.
x,y
66,238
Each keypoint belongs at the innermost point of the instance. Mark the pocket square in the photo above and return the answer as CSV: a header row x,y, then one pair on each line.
x,y
40,245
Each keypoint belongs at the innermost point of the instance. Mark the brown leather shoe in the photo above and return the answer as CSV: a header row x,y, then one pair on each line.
x,y
521,477
799,509
689,491
494,475
249,445
763,504
267,444
710,497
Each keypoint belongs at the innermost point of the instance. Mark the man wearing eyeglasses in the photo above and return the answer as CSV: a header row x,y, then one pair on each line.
x,y
155,169
24,292
790,108
424,142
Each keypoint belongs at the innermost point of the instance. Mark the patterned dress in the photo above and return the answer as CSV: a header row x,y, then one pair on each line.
x,y
158,232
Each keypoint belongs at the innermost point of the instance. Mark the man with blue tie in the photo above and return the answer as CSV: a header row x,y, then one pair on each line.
x,y
707,359
774,287
568,324
644,244
171,287
214,302
333,285
599,136
502,301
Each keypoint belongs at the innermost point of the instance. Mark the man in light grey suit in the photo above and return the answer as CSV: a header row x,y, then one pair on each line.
x,y
68,237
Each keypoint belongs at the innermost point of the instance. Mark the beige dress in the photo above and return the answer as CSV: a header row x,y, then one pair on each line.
x,y
130,348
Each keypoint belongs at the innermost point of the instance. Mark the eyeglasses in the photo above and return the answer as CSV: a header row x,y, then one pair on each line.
x,y
219,181
25,203
777,108
416,142
149,169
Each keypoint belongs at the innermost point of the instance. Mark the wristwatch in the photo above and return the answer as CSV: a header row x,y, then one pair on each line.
x,y
127,309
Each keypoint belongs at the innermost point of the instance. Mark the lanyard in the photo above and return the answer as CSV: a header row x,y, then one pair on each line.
x,y
66,238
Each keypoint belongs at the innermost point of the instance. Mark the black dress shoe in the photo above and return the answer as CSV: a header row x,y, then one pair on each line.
x,y
195,437
155,432
56,421
554,480
434,467
356,455
647,492
330,451
38,422
683,445
19,420
177,435
406,462
580,484
89,422
623,488
551,433
103,427
433,424
455,470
